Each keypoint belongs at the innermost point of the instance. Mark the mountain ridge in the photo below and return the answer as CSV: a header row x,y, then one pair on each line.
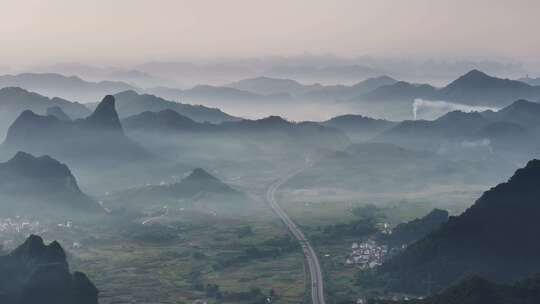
x,y
42,181
98,137
484,239
39,273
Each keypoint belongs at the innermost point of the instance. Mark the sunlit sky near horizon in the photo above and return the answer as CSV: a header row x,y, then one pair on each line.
x,y
96,31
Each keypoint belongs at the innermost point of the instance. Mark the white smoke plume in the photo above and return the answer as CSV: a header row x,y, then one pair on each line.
x,y
433,109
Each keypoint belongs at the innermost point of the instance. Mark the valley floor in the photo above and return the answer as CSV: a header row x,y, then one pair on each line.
x,y
181,270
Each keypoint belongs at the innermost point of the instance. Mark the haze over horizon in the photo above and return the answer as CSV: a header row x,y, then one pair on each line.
x,y
108,33
270,152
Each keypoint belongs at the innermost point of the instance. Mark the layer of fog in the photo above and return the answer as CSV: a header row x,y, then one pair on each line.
x,y
433,109
291,110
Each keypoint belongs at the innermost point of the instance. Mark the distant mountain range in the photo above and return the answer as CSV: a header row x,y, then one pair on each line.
x,y
70,88
399,92
130,76
96,139
382,95
131,103
31,184
478,88
513,130
377,170
330,73
358,127
220,96
315,92
163,122
38,273
272,132
391,98
169,120
495,238
329,69
270,86
429,135
207,93
473,88
14,100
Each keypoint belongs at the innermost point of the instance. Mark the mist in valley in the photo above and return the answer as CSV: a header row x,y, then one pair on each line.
x,y
329,152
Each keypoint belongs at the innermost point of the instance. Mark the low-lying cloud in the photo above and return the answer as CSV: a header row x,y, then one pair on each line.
x,y
433,109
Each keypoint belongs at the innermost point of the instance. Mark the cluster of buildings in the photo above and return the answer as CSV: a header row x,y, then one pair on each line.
x,y
13,228
19,225
367,254
384,228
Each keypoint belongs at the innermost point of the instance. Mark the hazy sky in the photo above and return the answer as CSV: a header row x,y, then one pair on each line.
x,y
39,31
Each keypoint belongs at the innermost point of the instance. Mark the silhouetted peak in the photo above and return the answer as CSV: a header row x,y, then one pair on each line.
x,y
105,115
39,273
28,160
522,102
475,75
55,253
273,120
22,157
27,114
13,91
107,105
472,79
32,247
382,78
34,250
402,84
44,168
350,117
436,214
379,80
522,105
200,174
165,120
530,174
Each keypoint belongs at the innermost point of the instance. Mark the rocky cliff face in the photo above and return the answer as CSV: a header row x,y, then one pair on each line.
x,y
91,141
495,238
38,273
29,182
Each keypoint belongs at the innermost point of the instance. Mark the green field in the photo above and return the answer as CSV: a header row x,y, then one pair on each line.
x,y
128,270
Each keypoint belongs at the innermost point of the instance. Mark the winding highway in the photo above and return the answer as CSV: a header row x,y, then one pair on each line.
x,y
317,283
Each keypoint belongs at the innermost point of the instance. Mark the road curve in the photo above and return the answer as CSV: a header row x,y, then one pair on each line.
x,y
317,283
